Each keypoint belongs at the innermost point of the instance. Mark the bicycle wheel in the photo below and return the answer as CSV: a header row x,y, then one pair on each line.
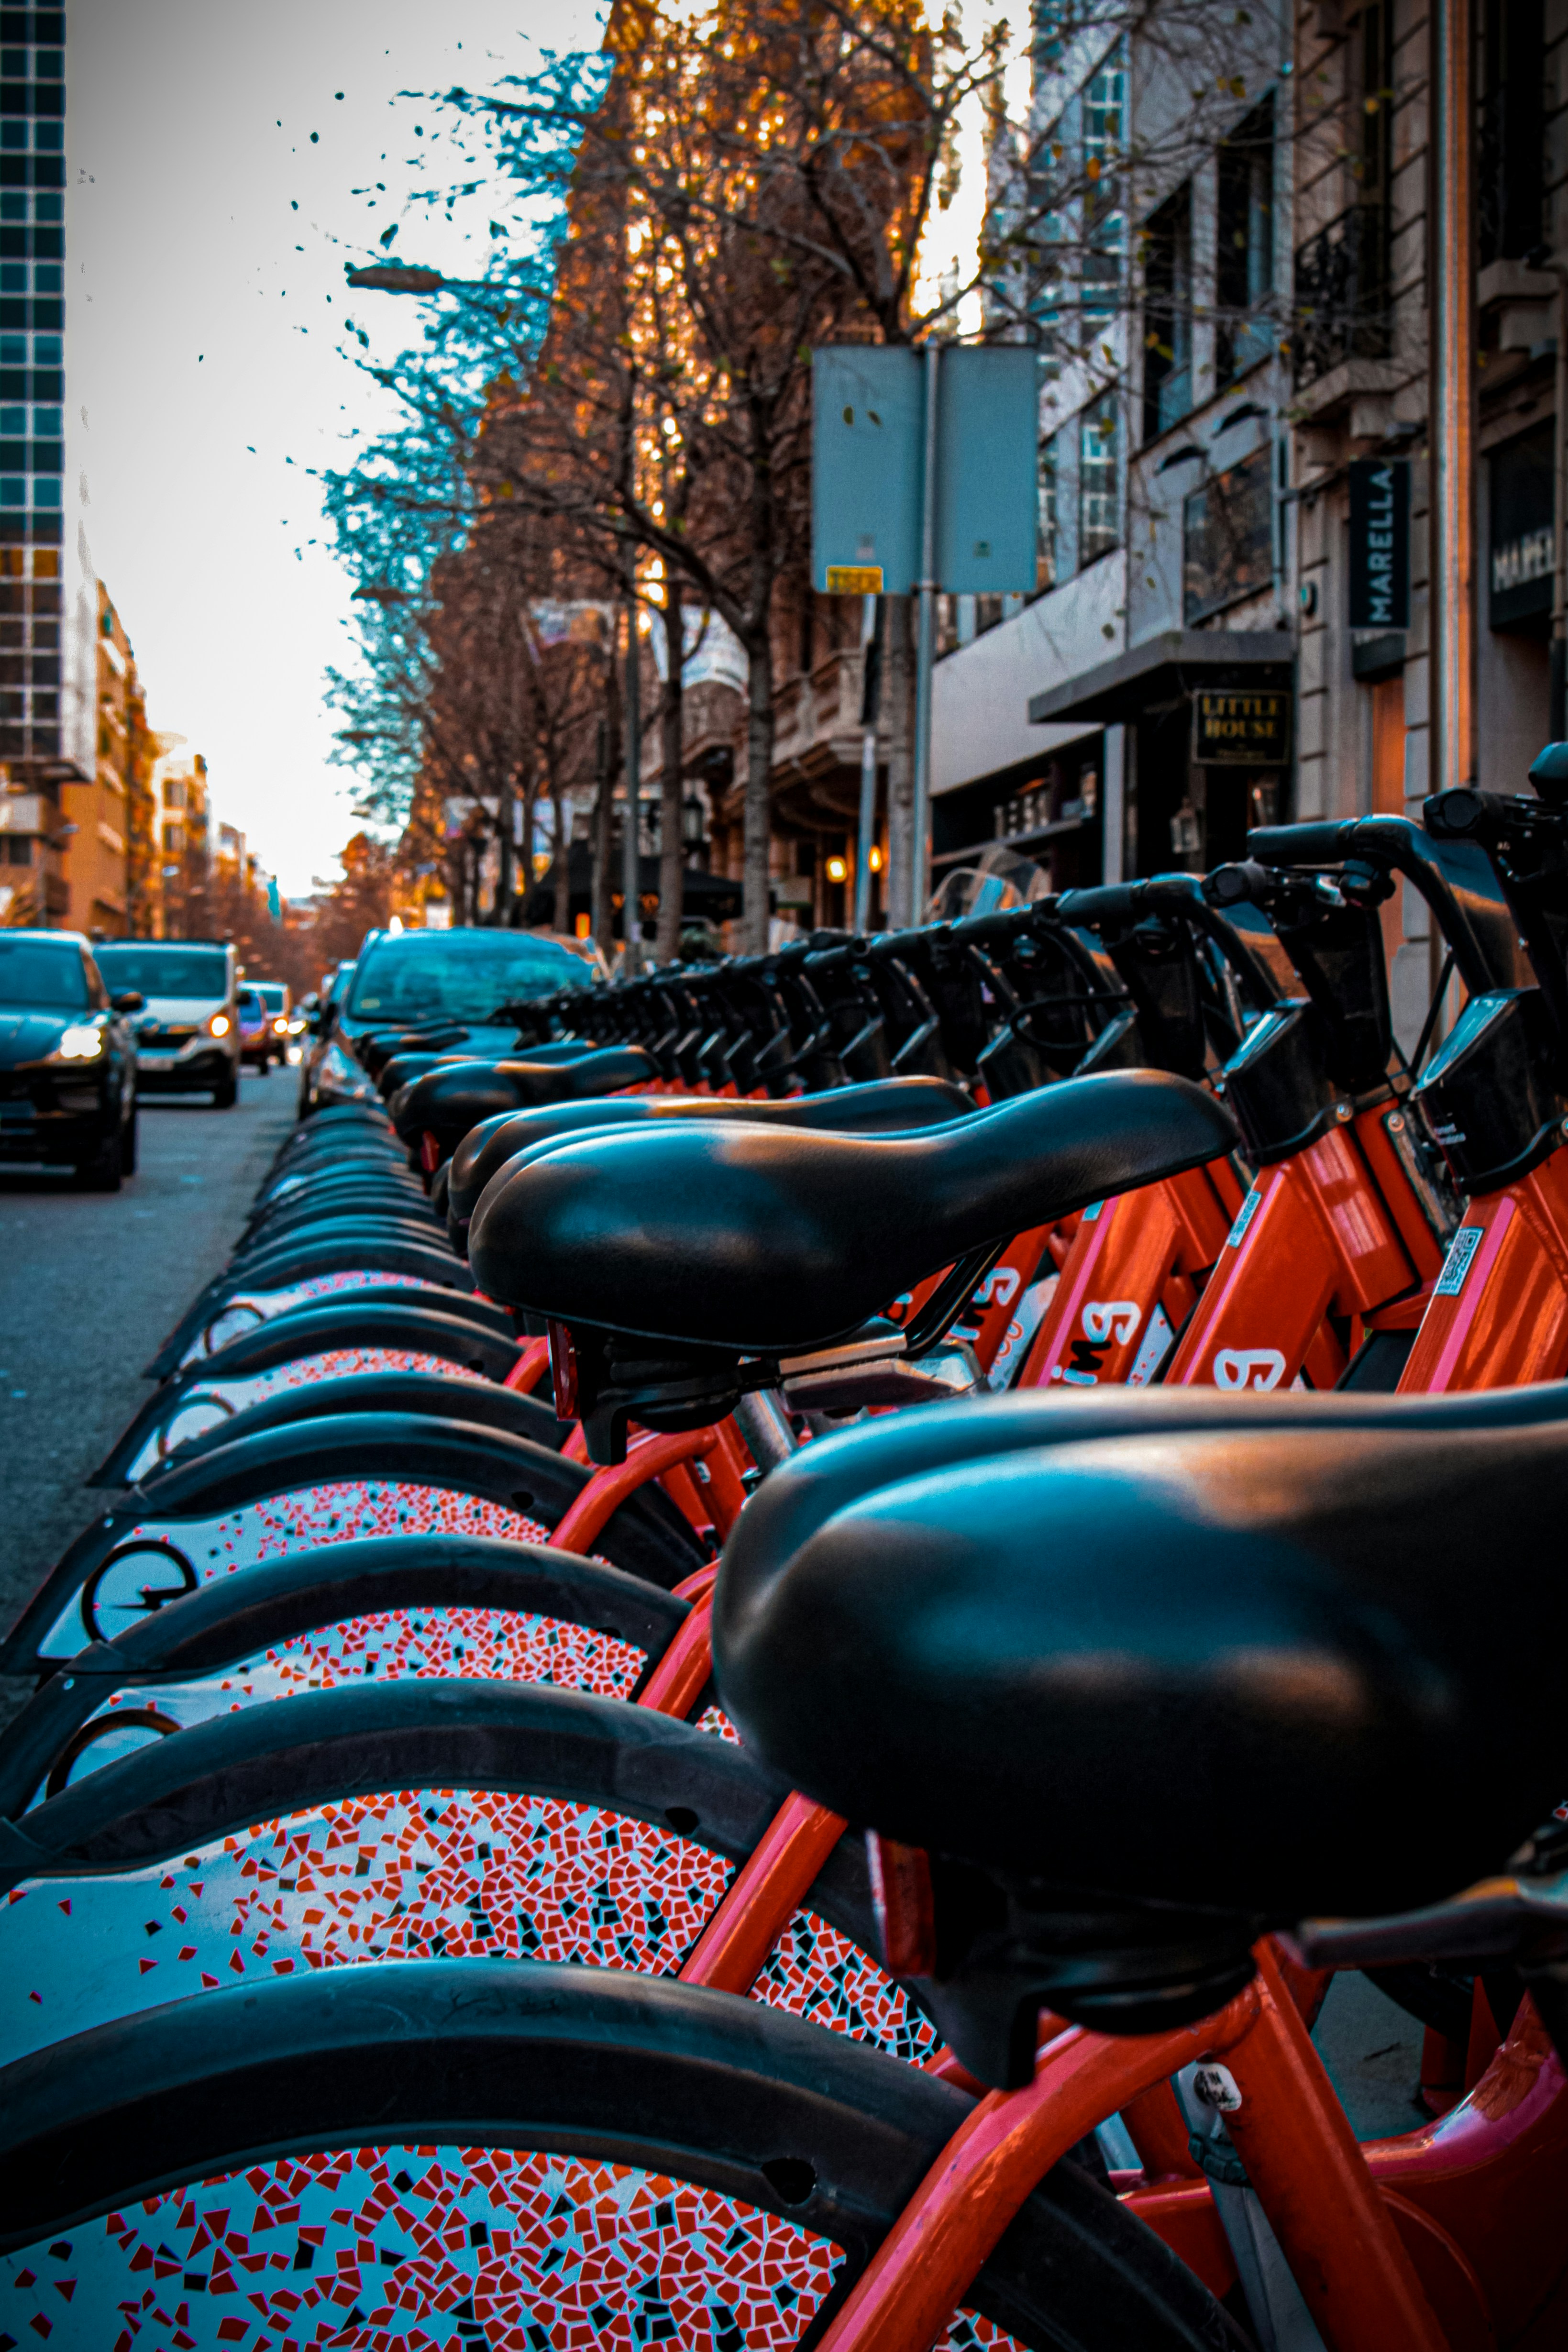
x,y
427,1819
429,2155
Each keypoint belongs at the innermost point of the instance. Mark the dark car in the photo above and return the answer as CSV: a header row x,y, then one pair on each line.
x,y
255,1029
68,1062
404,979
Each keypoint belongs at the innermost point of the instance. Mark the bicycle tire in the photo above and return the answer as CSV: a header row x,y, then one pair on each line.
x,y
267,1840
380,1453
690,2089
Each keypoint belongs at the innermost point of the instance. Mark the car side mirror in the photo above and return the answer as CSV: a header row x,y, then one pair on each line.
x,y
130,1000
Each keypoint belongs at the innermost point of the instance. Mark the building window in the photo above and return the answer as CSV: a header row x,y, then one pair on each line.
x,y
174,795
1512,181
1244,256
1046,571
1104,108
1168,314
1098,484
1228,538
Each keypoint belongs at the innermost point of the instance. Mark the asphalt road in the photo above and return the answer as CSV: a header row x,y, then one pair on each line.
x,y
89,1284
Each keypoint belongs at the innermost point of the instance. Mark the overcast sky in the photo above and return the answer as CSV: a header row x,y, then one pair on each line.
x,y
188,145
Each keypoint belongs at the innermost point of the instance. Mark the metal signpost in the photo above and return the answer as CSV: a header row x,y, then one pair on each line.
x,y
631,873
870,704
924,471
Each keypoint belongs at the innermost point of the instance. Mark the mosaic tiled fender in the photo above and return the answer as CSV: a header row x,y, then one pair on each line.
x,y
431,1874
433,2250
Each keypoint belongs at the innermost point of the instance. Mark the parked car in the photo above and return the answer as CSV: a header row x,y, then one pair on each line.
x,y
68,1060
319,1044
187,1039
401,979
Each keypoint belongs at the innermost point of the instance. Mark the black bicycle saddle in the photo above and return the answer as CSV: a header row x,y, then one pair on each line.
x,y
746,1236
1152,1693
885,1106
449,1100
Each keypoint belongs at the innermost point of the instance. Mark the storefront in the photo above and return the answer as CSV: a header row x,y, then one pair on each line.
x,y
1197,744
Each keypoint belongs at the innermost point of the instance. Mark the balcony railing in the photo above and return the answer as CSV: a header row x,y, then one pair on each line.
x,y
1342,294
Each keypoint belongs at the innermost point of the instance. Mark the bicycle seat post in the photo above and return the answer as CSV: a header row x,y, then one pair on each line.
x,y
765,1426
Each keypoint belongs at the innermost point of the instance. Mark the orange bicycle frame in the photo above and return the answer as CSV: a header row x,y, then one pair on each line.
x,y
1335,1230
1497,1316
1135,1257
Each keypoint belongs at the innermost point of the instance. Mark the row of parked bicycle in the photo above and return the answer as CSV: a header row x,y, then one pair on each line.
x,y
757,1658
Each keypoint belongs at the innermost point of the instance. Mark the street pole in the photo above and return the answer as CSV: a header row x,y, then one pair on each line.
x,y
1452,430
871,698
631,893
925,650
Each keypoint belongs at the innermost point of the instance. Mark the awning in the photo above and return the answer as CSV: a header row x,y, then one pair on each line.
x,y
1121,690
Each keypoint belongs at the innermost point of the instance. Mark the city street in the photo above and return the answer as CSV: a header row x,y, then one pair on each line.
x,y
89,1284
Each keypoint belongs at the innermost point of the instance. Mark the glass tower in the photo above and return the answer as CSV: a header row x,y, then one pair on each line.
x,y
34,555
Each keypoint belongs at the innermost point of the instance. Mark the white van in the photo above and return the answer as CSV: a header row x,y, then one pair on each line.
x,y
187,1036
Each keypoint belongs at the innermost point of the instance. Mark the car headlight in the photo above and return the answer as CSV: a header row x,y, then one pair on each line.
x,y
219,1026
78,1045
281,1026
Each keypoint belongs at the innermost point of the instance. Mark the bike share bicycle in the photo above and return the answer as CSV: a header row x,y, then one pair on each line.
x,y
923,1429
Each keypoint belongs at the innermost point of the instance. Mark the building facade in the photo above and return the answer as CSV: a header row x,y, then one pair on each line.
x,y
106,816
1363,412
49,588
1233,622
1134,715
182,842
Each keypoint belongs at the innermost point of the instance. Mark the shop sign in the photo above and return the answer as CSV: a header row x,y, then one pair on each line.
x,y
1523,539
1380,543
1241,726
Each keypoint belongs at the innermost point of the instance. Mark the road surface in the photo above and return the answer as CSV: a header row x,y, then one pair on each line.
x,y
90,1283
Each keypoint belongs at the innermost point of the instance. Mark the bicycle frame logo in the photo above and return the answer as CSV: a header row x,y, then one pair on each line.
x,y
1106,1322
999,1289
1248,1367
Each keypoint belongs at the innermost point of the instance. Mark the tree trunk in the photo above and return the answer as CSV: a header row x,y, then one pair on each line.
x,y
506,802
604,810
671,847
899,701
561,915
759,795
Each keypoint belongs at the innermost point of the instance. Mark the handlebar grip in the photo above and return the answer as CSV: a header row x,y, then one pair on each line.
x,y
1103,902
1321,844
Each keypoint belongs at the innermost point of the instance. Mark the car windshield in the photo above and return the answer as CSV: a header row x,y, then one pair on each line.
x,y
46,974
467,975
158,968
272,993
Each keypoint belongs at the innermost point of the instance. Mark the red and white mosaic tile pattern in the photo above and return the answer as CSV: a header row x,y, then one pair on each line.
x,y
246,1308
425,1874
489,1644
426,2249
428,1875
433,2250
335,1512
210,1403
816,1972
